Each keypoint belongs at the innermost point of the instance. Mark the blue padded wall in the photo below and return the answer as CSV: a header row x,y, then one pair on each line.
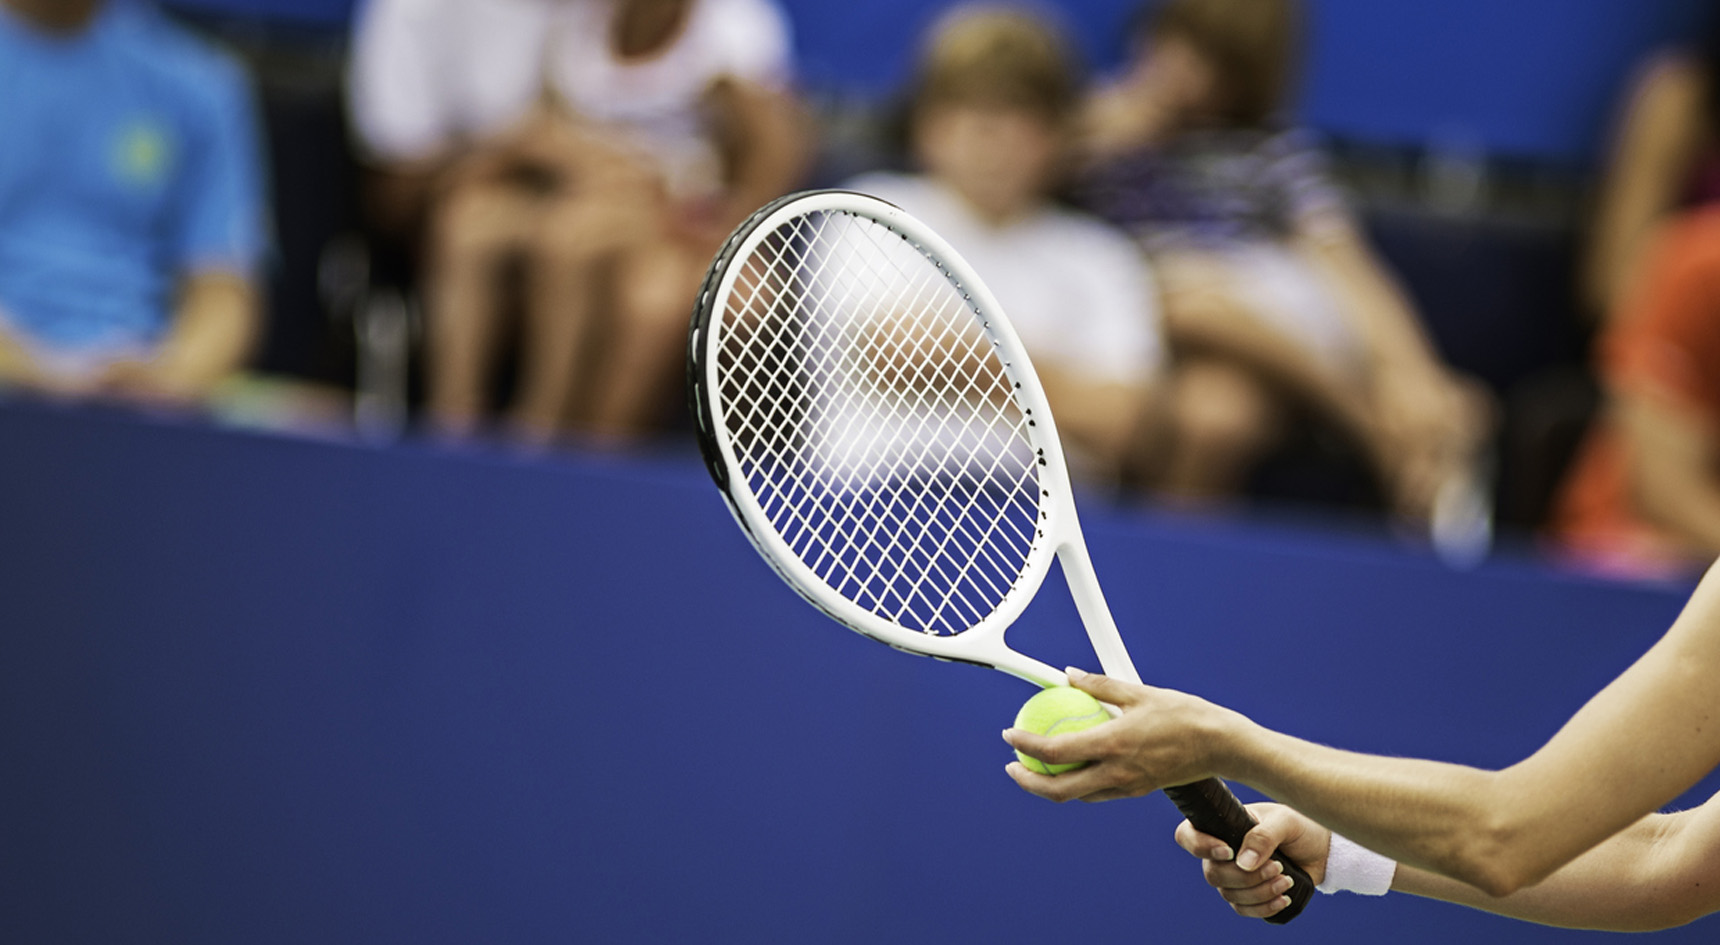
x,y
262,690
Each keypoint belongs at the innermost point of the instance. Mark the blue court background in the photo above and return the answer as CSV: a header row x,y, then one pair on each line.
x,y
1526,79
265,690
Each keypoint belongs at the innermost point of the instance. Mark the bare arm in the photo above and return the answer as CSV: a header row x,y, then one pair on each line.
x,y
1656,873
1659,872
1642,740
17,368
1377,306
1210,322
1670,468
1658,140
214,327
1426,421
766,141
1101,417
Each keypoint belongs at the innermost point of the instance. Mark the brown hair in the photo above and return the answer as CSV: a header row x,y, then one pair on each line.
x,y
983,55
1252,44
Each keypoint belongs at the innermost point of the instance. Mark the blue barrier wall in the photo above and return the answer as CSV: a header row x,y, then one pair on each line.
x,y
1529,78
262,690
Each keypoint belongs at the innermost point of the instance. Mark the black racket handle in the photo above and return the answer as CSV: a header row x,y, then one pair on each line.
x,y
1212,809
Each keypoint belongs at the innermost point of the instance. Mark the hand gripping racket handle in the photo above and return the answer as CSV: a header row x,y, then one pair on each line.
x,y
1212,809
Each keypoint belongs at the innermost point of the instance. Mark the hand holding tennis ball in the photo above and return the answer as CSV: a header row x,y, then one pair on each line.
x,y
1060,710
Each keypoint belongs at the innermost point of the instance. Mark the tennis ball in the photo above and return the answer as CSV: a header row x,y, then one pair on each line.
x,y
1058,710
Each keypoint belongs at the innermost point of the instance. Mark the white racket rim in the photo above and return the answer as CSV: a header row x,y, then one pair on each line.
x,y
1058,528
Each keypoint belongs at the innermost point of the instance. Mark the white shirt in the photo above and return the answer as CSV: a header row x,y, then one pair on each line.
x,y
430,74
1078,292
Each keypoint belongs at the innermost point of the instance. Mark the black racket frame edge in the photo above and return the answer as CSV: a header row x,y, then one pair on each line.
x,y
700,402
1209,805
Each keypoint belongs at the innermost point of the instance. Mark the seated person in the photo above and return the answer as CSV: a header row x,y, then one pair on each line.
x,y
1272,298
989,116
1643,497
130,205
601,151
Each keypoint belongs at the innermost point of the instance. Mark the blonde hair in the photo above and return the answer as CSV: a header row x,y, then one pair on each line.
x,y
989,55
1253,45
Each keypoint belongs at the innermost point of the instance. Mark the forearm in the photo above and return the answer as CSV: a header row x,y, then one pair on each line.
x,y
1669,467
769,149
1377,306
1657,144
1637,744
1686,506
215,325
1421,813
1227,331
1635,881
1101,417
16,365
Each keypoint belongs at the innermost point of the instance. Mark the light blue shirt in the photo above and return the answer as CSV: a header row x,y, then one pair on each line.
x,y
129,158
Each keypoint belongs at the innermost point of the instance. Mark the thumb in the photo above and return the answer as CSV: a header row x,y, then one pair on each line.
x,y
1104,688
1262,841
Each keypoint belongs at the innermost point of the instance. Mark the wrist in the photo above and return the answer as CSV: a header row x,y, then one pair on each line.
x,y
1351,867
1234,744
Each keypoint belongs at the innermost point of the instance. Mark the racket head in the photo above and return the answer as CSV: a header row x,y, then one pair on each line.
x,y
927,531
764,404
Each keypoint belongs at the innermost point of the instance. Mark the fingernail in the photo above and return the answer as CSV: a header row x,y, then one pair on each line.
x,y
1247,860
1074,673
1223,854
1283,902
1272,869
1283,885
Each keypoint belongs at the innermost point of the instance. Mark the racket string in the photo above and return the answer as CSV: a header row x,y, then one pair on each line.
x,y
875,424
905,522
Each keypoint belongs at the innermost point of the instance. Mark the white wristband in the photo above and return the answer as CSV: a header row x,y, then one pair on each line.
x,y
1357,869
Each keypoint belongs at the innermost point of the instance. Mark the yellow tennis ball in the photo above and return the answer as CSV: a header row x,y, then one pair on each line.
x,y
1059,710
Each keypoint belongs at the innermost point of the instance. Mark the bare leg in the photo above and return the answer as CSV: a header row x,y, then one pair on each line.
x,y
655,289
472,236
1223,419
573,261
563,292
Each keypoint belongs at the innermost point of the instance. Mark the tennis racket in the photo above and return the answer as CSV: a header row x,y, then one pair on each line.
x,y
878,431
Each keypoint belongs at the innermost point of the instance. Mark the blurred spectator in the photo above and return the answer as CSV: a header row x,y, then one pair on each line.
x,y
1644,495
130,205
601,150
1269,287
1665,156
990,114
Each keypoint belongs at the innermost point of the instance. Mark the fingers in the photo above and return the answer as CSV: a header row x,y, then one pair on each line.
x,y
1260,901
1154,741
1223,873
1080,784
1256,893
1105,689
1073,748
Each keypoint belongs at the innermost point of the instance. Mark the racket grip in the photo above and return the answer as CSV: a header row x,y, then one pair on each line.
x,y
1212,809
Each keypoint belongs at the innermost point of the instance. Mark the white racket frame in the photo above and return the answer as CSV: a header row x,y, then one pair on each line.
x,y
1061,537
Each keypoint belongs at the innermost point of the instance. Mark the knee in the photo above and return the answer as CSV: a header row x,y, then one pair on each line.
x,y
656,291
474,226
1221,412
586,228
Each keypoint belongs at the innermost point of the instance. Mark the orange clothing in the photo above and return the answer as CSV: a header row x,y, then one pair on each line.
x,y
1666,346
